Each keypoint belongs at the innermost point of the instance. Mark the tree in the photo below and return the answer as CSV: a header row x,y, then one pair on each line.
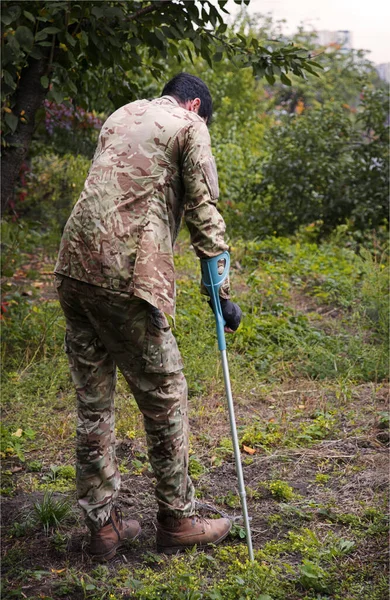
x,y
326,165
85,51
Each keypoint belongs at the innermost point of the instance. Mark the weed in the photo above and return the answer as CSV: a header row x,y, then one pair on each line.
x,y
34,466
195,467
20,529
274,434
237,531
123,468
51,513
281,490
12,442
383,420
374,294
66,472
313,577
293,514
60,541
59,479
322,478
223,451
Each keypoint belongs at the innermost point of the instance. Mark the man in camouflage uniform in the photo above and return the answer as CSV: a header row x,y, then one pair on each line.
x,y
116,282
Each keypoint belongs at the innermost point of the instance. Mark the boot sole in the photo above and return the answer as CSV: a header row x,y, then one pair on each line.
x,y
182,548
109,555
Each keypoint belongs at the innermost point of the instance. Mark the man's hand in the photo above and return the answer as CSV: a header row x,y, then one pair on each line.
x,y
232,314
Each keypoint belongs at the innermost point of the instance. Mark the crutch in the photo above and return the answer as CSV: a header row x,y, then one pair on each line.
x,y
213,281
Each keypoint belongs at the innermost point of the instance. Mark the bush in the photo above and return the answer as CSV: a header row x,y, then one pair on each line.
x,y
326,165
53,185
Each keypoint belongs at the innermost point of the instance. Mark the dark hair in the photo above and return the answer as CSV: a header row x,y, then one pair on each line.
x,y
186,87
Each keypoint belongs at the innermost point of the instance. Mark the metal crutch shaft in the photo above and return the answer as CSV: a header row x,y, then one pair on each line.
x,y
237,455
213,281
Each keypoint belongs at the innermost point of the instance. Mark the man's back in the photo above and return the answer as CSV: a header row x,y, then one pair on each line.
x,y
121,232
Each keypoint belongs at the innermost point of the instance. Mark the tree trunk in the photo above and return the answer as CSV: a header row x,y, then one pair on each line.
x,y
29,97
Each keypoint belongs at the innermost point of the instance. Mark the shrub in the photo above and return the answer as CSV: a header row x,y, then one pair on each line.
x,y
53,185
326,165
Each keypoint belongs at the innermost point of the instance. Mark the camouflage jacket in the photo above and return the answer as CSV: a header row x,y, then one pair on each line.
x,y
152,165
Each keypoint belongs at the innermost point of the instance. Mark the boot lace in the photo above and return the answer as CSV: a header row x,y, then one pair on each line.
x,y
118,518
118,514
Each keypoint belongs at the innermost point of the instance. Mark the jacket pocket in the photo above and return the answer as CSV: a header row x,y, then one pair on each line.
x,y
161,352
209,171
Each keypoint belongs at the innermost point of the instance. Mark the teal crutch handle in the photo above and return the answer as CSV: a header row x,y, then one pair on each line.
x,y
212,281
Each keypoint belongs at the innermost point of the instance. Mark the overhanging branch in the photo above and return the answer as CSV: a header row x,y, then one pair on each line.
x,y
148,9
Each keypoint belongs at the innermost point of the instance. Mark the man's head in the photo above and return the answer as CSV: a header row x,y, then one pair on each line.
x,y
191,93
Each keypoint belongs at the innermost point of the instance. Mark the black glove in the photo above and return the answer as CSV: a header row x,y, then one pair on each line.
x,y
231,312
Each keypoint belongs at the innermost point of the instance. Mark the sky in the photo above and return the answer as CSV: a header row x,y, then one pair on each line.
x,y
368,20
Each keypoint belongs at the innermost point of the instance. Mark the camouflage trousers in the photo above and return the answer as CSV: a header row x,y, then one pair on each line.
x,y
106,329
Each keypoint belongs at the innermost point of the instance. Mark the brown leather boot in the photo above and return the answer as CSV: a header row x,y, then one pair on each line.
x,y
175,535
105,542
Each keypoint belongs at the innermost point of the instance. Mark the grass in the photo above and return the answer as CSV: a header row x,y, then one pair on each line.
x,y
50,512
309,378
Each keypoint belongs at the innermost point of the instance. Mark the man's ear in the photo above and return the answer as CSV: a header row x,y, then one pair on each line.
x,y
196,104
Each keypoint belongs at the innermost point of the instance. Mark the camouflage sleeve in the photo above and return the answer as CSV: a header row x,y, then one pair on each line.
x,y
199,173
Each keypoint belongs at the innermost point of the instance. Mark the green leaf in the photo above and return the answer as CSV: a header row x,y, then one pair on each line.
x,y
346,545
57,95
29,16
45,81
111,12
190,55
70,39
270,79
42,35
314,63
13,43
9,55
134,41
36,53
114,41
9,80
51,30
72,86
97,12
12,121
158,33
285,79
10,14
25,37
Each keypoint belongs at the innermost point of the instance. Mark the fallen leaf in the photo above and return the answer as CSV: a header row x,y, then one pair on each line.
x,y
17,433
248,450
16,469
301,406
58,570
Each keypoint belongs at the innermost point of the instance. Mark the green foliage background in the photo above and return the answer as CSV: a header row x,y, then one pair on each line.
x,y
303,172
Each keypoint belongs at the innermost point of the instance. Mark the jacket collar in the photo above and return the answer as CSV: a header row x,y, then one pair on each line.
x,y
167,100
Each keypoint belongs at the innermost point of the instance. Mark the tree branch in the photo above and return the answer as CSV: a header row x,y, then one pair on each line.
x,y
148,9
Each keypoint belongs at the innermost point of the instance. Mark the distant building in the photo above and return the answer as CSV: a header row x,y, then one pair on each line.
x,y
342,38
383,71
